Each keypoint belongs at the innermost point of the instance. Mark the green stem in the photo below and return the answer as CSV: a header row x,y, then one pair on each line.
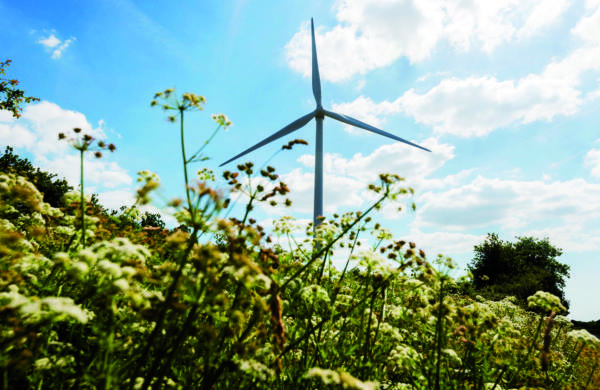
x,y
439,334
587,384
185,171
82,199
204,146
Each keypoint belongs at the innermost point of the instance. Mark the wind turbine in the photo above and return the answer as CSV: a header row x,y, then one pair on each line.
x,y
319,114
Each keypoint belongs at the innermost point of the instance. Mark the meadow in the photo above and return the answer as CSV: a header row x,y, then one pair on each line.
x,y
94,300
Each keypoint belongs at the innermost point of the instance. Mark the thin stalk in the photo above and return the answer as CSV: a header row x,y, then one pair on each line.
x,y
82,198
368,333
195,155
439,334
587,383
185,171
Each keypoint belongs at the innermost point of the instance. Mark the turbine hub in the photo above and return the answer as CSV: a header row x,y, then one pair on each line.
x,y
319,112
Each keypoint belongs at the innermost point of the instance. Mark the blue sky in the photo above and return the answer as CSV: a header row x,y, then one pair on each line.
x,y
505,93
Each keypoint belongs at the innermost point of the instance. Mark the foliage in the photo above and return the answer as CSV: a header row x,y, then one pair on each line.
x,y
502,268
226,305
11,97
48,184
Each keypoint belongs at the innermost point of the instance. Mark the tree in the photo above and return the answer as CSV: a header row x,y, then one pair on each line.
x,y
11,97
48,184
502,268
152,220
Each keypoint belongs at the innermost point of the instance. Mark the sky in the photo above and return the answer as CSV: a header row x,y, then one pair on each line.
x,y
506,94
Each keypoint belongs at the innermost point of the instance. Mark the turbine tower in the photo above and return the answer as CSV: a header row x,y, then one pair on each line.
x,y
319,114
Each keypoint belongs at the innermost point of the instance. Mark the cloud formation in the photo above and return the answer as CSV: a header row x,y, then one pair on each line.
x,y
36,133
55,45
371,34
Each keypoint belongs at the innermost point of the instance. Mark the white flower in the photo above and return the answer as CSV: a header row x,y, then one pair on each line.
x,y
340,377
110,268
88,256
374,263
79,269
61,258
256,369
545,301
314,294
128,271
43,364
65,308
583,336
121,284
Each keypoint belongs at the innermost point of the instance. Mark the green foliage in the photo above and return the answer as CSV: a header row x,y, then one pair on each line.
x,y
502,268
138,308
11,97
152,220
48,184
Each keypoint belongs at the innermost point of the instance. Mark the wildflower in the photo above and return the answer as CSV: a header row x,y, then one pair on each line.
x,y
79,269
43,364
256,369
314,294
342,378
61,258
121,284
583,336
222,120
546,302
110,268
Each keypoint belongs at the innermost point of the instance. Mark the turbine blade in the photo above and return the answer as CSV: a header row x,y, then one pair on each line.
x,y
295,125
316,80
355,122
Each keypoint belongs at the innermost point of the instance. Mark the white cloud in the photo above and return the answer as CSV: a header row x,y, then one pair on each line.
x,y
509,205
588,28
338,191
543,14
445,243
476,106
346,179
592,161
50,42
572,238
373,34
55,45
37,133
